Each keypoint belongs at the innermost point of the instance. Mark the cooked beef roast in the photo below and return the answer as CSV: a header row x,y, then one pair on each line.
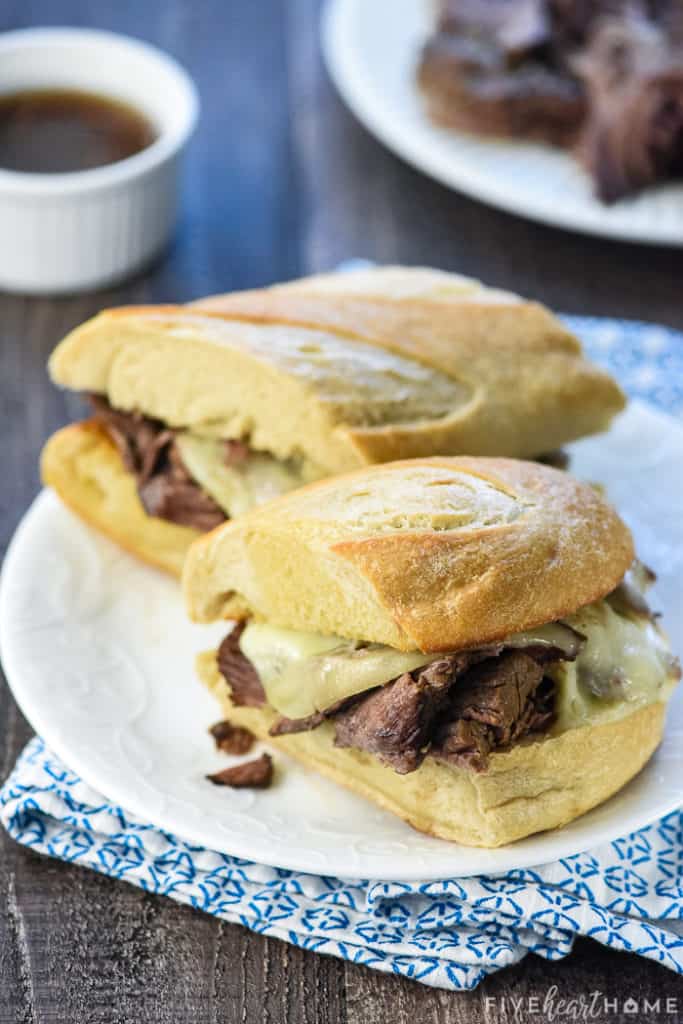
x,y
396,721
605,76
633,74
497,692
256,774
149,451
245,685
287,726
232,739
496,703
457,709
449,708
490,68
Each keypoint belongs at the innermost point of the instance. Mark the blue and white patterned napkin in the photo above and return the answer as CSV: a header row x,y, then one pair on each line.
x,y
450,934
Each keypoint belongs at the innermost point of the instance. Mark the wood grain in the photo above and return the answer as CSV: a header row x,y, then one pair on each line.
x,y
280,180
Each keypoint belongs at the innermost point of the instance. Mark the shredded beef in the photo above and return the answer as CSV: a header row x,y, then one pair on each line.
x,y
395,720
287,726
463,742
256,774
604,77
457,709
149,451
232,739
179,502
492,705
489,68
140,440
496,692
245,685
633,73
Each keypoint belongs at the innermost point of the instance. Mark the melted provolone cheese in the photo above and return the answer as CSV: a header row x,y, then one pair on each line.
x,y
237,489
623,664
303,672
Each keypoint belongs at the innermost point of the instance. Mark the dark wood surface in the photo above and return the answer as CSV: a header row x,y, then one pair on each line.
x,y
280,180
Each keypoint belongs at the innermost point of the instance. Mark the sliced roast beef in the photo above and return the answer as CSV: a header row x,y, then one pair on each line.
x,y
180,502
541,707
232,739
457,709
395,721
462,742
134,435
604,76
287,726
256,774
496,692
489,68
494,704
245,686
149,451
633,72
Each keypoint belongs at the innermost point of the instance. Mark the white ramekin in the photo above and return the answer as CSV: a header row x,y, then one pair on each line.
x,y
72,232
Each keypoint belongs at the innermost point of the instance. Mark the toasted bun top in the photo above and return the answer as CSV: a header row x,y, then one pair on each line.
x,y
350,369
431,554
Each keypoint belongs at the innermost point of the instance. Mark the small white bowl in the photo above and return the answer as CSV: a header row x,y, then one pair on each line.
x,y
82,230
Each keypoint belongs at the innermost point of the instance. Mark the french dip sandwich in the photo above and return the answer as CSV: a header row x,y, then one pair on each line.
x,y
464,641
201,412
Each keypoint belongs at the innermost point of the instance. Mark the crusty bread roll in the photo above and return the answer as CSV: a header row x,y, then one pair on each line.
x,y
533,786
82,465
448,557
428,554
350,369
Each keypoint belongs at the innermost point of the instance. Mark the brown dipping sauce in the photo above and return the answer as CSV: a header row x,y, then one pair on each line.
x,y
56,131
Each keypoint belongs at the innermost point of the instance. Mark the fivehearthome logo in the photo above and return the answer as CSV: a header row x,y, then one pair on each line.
x,y
586,1007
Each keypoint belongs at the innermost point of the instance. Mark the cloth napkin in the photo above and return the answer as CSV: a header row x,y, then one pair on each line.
x,y
451,934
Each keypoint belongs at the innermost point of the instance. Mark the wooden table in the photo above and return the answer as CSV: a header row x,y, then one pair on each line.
x,y
281,180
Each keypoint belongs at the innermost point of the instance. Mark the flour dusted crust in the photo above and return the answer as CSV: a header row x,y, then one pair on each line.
x,y
534,786
85,469
350,369
430,554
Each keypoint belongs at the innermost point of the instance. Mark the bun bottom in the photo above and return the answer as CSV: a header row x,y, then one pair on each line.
x,y
529,788
84,467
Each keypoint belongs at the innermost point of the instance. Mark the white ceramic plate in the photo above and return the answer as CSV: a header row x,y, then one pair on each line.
x,y
100,658
371,48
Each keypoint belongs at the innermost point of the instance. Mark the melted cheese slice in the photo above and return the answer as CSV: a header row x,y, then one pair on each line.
x,y
237,489
303,672
624,665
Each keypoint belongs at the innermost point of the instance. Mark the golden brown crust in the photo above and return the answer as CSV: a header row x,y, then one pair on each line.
x,y
83,466
532,787
530,388
433,554
512,379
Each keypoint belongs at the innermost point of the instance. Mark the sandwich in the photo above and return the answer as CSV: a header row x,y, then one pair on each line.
x,y
464,641
201,412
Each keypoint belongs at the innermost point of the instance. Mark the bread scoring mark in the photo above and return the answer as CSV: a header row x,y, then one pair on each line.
x,y
412,498
361,384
